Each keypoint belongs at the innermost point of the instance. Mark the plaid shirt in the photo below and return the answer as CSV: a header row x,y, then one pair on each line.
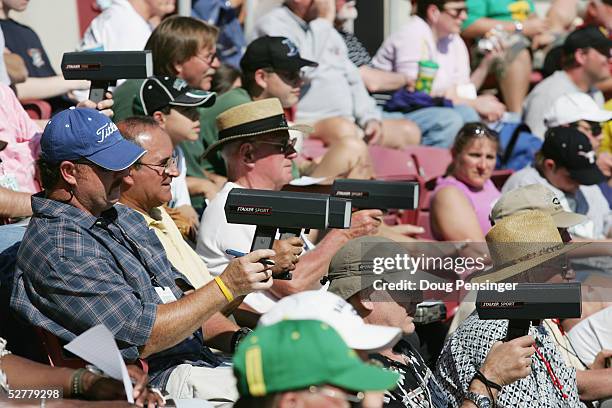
x,y
467,349
75,271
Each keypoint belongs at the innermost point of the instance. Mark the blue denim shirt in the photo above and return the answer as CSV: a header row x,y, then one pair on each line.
x,y
75,271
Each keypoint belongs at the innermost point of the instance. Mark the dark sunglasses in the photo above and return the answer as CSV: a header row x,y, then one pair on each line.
x,y
455,12
286,147
594,126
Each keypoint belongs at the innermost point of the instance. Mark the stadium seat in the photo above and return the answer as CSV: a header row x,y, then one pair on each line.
x,y
37,108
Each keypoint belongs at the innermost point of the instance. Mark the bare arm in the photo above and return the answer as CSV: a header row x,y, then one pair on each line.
x,y
483,25
377,80
218,332
594,384
16,68
200,186
505,363
176,321
561,14
43,88
453,218
14,204
313,265
25,374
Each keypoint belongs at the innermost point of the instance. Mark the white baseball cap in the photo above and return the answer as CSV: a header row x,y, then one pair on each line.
x,y
572,107
336,312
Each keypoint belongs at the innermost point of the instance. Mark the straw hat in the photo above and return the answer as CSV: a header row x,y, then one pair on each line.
x,y
520,242
252,119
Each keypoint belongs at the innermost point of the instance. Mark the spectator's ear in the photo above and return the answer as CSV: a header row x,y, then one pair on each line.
x,y
433,13
261,78
549,164
68,172
159,117
247,154
580,55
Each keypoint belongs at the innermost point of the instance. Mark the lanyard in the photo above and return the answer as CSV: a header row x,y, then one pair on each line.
x,y
134,247
551,373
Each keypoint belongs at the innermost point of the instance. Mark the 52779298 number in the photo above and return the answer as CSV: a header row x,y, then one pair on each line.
x,y
29,394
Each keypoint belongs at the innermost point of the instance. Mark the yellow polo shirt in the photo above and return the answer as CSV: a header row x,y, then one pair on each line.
x,y
179,253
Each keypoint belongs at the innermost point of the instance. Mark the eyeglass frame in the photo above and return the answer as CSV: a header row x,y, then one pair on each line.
x,y
456,12
210,59
172,162
593,126
286,148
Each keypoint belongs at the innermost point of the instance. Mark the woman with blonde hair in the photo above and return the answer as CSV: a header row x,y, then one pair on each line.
x,y
463,199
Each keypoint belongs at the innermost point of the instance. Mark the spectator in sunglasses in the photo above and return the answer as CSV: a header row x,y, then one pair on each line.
x,y
580,111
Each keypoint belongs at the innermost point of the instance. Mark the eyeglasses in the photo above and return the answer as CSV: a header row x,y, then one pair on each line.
x,y
353,398
209,60
167,167
287,147
455,12
589,126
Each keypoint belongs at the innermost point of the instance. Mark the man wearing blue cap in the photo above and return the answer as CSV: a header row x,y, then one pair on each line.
x,y
85,261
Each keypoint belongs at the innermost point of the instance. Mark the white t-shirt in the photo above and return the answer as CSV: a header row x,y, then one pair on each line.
x,y
118,28
215,235
540,99
180,193
592,335
589,201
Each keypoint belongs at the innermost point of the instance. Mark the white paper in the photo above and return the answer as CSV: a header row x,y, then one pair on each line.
x,y
306,181
97,346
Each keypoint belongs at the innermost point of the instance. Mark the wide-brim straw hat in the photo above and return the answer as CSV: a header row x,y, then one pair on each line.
x,y
520,242
252,119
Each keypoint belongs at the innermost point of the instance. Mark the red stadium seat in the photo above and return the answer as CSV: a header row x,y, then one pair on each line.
x,y
55,351
37,108
87,11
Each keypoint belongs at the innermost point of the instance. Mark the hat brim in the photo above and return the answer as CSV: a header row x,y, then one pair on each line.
x,y
118,156
503,273
565,219
373,338
191,99
598,116
218,144
365,377
294,64
587,177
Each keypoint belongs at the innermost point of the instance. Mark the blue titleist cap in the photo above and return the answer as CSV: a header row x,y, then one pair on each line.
x,y
87,133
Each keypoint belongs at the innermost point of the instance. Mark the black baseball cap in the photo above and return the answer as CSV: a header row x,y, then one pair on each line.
x,y
570,148
273,52
157,92
588,37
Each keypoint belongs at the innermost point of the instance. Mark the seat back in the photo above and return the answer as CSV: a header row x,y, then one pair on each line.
x,y
37,109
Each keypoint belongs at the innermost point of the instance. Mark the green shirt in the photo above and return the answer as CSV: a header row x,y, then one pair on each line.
x,y
503,10
127,100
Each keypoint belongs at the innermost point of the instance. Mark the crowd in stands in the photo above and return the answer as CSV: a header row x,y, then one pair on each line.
x,y
113,212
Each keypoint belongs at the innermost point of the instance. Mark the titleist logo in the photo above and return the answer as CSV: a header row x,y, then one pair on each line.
x,y
105,131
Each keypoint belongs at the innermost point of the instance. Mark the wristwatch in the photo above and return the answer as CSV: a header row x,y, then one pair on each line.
x,y
238,336
481,401
518,27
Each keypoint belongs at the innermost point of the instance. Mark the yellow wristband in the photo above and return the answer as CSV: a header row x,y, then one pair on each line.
x,y
224,289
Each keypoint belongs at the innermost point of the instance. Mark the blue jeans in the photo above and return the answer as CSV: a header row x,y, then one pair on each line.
x,y
438,125
10,238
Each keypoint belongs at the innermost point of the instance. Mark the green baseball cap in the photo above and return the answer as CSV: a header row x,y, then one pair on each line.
x,y
295,354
